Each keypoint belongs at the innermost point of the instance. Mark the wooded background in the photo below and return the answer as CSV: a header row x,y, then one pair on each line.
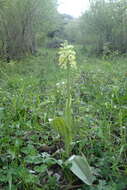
x,y
28,24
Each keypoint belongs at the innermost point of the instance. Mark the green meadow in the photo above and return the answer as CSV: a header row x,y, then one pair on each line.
x,y
33,92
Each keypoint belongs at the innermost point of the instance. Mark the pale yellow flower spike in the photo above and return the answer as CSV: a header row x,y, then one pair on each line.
x,y
67,56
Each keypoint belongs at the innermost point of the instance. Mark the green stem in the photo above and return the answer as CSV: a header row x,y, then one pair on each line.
x,y
68,116
68,108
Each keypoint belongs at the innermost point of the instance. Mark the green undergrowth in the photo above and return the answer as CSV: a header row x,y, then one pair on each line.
x,y
32,93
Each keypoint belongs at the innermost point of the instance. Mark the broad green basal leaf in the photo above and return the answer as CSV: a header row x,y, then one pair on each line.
x,y
81,168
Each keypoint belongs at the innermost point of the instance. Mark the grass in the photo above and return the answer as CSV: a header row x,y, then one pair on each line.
x,y
31,152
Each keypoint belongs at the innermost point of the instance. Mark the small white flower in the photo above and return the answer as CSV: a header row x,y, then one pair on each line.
x,y
57,84
60,84
32,171
50,119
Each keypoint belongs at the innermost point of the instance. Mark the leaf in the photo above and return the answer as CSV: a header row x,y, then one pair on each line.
x,y
29,150
1,113
10,180
41,169
81,168
34,159
12,152
62,127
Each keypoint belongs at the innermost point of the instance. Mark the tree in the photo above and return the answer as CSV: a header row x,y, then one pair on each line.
x,y
104,24
20,23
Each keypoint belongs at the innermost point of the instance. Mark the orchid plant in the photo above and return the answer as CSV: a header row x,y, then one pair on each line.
x,y
67,61
64,125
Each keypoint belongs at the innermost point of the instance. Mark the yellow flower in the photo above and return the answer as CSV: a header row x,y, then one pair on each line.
x,y
67,56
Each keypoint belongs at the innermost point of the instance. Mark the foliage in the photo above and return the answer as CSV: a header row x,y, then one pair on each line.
x,y
103,24
31,154
86,104
22,24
